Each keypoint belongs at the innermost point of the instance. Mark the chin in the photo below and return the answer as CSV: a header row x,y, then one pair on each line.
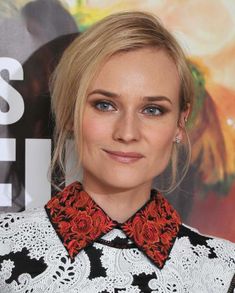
x,y
118,178
123,181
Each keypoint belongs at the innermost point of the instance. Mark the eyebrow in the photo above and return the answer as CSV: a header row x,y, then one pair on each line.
x,y
114,95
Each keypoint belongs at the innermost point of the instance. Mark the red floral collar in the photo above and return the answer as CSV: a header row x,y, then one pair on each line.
x,y
79,221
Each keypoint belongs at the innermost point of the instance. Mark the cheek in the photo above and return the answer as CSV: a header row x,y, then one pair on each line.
x,y
161,142
162,136
94,130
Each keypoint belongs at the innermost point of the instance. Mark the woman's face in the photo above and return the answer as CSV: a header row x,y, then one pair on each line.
x,y
131,119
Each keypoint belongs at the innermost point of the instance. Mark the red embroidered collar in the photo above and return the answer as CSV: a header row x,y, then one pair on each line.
x,y
79,221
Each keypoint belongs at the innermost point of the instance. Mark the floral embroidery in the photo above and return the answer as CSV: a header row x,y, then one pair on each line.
x,y
79,221
77,218
154,229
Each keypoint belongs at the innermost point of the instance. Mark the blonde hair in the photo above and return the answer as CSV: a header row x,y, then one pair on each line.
x,y
81,61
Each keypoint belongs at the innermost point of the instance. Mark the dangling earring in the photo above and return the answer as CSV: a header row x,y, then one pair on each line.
x,y
177,140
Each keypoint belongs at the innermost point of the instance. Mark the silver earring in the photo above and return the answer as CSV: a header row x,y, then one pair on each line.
x,y
177,140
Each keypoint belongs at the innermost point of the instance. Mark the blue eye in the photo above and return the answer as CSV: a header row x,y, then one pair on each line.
x,y
152,111
104,106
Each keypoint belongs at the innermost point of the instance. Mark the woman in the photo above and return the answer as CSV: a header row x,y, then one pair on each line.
x,y
123,92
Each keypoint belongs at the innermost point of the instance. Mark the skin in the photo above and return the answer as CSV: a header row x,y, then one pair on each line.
x,y
132,106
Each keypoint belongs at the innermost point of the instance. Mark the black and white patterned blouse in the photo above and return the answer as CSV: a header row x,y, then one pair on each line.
x,y
72,246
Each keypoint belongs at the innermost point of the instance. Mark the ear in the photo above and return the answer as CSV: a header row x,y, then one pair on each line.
x,y
183,118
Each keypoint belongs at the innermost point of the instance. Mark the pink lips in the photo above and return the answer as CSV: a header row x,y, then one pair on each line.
x,y
124,157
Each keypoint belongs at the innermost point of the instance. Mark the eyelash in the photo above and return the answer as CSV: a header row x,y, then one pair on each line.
x,y
161,110
99,102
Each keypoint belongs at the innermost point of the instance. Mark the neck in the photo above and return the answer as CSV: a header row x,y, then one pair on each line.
x,y
118,203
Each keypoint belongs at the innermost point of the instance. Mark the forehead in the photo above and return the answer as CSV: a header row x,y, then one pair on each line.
x,y
140,72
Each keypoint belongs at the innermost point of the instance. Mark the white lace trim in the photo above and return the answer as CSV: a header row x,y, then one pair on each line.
x,y
188,270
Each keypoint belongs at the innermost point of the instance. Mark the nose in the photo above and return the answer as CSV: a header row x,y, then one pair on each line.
x,y
127,128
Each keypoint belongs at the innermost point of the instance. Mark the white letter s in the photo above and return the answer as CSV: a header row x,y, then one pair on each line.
x,y
8,93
